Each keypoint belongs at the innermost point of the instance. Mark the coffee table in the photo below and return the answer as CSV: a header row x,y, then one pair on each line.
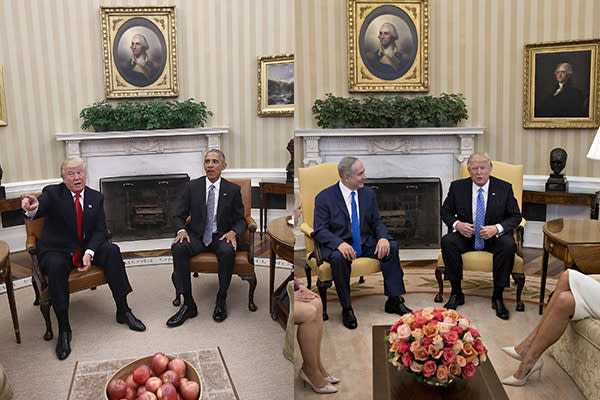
x,y
389,383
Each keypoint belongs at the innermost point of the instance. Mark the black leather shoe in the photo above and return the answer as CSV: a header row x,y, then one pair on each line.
x,y
501,310
349,319
63,345
186,311
395,305
220,312
132,322
455,301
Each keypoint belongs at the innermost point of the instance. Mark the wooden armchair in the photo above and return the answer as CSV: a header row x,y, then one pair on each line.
x,y
78,281
311,181
244,260
482,260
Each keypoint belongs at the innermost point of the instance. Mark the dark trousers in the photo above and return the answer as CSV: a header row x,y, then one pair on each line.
x,y
504,248
182,252
393,276
58,266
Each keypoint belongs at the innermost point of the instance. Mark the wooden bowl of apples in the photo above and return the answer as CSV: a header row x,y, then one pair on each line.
x,y
156,377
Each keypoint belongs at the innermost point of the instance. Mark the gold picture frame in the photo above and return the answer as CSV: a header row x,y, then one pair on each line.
x,y
275,86
572,104
147,34
406,24
3,116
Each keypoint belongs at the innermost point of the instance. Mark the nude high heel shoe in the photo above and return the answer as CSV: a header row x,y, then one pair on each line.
x,y
512,352
328,388
512,381
332,379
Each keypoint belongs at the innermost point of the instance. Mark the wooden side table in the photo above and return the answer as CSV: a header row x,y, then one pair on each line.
x,y
565,199
5,276
282,244
265,188
559,236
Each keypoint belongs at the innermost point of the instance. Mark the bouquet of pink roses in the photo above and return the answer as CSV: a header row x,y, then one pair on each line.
x,y
437,345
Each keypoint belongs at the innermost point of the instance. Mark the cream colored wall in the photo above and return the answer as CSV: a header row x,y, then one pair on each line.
x,y
51,52
476,47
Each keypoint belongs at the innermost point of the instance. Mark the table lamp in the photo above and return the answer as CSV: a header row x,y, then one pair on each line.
x,y
594,152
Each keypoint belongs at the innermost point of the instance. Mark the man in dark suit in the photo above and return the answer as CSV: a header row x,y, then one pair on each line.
x,y
217,221
75,233
480,212
348,225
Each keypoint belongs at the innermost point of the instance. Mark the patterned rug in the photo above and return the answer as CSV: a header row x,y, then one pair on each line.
x,y
422,280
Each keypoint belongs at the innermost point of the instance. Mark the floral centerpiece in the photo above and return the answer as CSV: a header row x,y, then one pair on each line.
x,y
437,345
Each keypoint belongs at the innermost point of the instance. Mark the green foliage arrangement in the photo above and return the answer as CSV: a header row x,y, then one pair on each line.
x,y
143,115
390,112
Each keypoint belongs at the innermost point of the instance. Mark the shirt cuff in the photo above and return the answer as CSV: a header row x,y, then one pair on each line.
x,y
90,252
31,213
500,230
181,230
454,225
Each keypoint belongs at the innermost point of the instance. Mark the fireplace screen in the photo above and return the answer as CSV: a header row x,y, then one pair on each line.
x,y
141,207
410,208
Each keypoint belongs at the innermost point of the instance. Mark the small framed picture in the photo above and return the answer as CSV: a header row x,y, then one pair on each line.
x,y
561,84
388,46
139,51
276,85
3,117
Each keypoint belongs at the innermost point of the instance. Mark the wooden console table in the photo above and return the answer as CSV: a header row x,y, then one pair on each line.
x,y
281,187
282,244
6,277
565,199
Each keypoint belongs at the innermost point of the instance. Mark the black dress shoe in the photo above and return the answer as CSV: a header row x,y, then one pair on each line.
x,y
349,319
63,346
455,301
501,310
186,311
395,305
220,312
132,322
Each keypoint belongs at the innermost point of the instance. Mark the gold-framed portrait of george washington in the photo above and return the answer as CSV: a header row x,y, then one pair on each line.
x,y
140,50
388,46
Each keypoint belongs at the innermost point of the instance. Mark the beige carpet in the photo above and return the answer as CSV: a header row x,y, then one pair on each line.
x,y
251,342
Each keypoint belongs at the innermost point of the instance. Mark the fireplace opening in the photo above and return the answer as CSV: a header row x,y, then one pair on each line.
x,y
141,207
410,208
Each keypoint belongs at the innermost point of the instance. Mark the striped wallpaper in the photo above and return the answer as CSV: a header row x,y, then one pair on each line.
x,y
51,52
476,47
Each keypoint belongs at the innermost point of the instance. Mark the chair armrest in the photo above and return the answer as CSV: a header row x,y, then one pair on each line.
x,y
307,229
309,233
251,224
252,229
518,233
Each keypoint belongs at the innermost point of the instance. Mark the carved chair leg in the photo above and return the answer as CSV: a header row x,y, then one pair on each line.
x,y
177,300
438,276
520,282
36,302
252,282
45,309
308,272
323,286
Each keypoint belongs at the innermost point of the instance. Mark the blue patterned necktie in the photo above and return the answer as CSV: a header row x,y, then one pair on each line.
x,y
479,220
355,227
210,217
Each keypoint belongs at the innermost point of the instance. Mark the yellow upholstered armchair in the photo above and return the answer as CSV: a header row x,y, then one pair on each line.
x,y
311,181
483,260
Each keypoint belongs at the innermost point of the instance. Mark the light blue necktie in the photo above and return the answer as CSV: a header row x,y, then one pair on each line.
x,y
479,220
210,217
355,227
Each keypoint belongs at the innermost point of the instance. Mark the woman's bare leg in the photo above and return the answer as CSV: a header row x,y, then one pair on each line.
x,y
309,319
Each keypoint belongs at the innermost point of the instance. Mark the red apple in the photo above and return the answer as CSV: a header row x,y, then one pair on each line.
x,y
170,376
159,363
141,374
147,396
182,381
177,365
167,392
190,390
153,383
130,382
141,390
117,389
130,394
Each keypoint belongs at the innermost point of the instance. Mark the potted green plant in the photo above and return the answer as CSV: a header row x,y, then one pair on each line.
x,y
99,116
188,114
453,109
337,112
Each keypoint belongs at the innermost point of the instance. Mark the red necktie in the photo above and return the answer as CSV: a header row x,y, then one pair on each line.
x,y
79,211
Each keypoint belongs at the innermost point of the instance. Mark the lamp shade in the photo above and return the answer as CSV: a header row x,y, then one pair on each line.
x,y
594,152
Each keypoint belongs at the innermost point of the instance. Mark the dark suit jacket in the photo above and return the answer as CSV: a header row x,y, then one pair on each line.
x,y
501,207
230,210
60,221
332,223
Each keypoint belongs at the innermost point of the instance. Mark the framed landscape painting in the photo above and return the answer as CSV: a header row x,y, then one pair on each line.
x,y
275,85
139,46
388,46
561,84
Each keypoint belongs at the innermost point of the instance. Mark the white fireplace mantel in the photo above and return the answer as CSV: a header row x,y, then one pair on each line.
x,y
131,153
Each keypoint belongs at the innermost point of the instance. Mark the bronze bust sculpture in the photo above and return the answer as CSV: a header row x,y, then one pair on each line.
x,y
558,160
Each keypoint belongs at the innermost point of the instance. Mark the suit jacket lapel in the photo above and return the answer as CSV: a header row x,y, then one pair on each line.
x,y
70,214
468,193
362,207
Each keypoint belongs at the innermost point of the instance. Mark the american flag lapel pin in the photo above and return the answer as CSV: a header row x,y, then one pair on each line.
x,y
89,206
